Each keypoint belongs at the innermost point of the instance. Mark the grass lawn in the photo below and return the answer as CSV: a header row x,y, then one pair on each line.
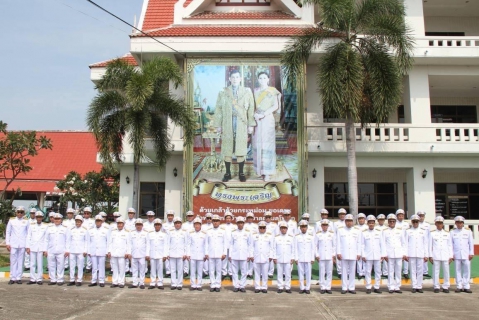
x,y
4,261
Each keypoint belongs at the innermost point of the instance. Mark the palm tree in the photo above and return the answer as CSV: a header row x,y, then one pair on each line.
x,y
360,73
134,103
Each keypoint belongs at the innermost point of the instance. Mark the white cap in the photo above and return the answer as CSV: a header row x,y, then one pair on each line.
x,y
98,217
250,214
132,210
39,213
228,213
20,208
33,210
268,213
392,216
342,211
240,219
349,217
87,209
325,221
103,214
139,221
157,220
324,211
286,211
305,216
381,216
283,224
371,218
78,217
51,214
57,216
439,219
361,215
150,213
208,215
116,214
120,220
215,217
170,212
459,219
398,211
190,213
421,213
303,223
262,223
177,219
197,220
414,217
70,210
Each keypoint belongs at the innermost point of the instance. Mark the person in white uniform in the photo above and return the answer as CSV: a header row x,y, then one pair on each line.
x,y
188,226
31,221
56,238
283,256
271,228
97,250
417,242
77,248
88,222
240,241
205,227
215,252
395,242
373,252
168,226
337,225
69,222
252,228
139,247
403,225
36,246
324,216
440,255
177,253
304,255
119,250
196,254
292,224
381,218
129,227
229,227
463,250
261,252
159,242
325,247
427,229
16,241
348,250
362,226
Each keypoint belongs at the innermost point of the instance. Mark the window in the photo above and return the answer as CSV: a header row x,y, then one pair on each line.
x,y
447,114
152,198
242,2
445,34
457,199
373,198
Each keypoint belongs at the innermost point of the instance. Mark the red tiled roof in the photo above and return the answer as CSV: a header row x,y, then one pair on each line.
x,y
127,57
71,151
253,15
222,31
159,14
187,3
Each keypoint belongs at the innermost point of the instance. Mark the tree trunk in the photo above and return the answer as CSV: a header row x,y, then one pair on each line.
x,y
352,171
136,186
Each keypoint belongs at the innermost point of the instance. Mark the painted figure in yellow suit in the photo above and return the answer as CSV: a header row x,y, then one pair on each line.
x,y
234,119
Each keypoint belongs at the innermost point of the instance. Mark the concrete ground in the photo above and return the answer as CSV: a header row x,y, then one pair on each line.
x,y
54,302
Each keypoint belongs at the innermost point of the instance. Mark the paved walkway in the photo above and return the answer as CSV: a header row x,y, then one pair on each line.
x,y
53,302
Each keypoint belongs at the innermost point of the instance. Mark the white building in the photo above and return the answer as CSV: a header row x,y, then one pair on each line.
x,y
424,158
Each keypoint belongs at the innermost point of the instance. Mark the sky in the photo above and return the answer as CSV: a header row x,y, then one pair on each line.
x,y
46,48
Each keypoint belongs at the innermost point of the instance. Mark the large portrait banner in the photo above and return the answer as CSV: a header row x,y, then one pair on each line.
x,y
245,152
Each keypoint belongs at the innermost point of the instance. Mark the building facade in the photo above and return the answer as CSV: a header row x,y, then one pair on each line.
x,y
424,158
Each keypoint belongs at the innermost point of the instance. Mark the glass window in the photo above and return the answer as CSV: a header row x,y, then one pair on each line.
x,y
453,199
152,198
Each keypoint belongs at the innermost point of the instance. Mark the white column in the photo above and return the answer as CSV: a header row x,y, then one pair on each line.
x,y
417,104
126,190
415,17
315,187
420,191
174,185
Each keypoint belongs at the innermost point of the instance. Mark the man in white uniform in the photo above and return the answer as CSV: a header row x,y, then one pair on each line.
x,y
325,246
348,249
196,254
373,253
252,228
362,226
16,240
427,229
139,247
240,241
159,250
130,227
381,218
168,226
88,222
36,246
262,252
77,248
228,226
271,228
337,225
56,238
395,243
403,225
215,252
177,253
119,250
463,250
97,250
417,244
283,256
205,227
304,253
440,255
31,221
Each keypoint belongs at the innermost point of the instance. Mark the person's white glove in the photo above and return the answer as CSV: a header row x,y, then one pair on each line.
x,y
250,130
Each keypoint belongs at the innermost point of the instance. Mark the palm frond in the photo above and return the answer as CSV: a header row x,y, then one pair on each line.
x,y
117,75
161,140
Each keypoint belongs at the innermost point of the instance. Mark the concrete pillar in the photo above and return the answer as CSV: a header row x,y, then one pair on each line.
x,y
415,17
126,190
417,104
420,191
174,185
315,188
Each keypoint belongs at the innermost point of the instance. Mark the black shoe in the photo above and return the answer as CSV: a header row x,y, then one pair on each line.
x,y
60,283
257,291
406,276
288,291
242,177
242,290
249,277
322,291
264,291
384,277
132,286
344,291
352,292
142,286
121,286
179,288
172,288
235,290
301,291
92,284
458,290
445,290
426,275
168,275
199,289
19,281
226,177
270,276
31,282
39,283
88,271
192,289
368,291
467,291
329,292
102,285
185,275
420,291
78,284
114,286
11,282
72,283
309,292
397,291
436,290
223,277
212,290
52,283
377,291
391,291
161,287
279,291
413,290
217,289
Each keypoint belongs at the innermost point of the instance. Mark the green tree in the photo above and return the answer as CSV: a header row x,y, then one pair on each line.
x,y
367,51
100,190
17,148
133,104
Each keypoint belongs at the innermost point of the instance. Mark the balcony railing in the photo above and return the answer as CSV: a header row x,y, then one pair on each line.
x,y
434,41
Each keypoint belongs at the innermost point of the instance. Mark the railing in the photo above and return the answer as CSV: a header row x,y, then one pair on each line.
x,y
452,41
399,132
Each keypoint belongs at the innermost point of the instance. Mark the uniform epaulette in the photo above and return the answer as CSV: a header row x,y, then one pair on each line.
x,y
126,230
339,227
44,223
356,227
318,232
84,228
466,228
331,231
151,231
234,230
12,218
378,229
268,233
192,231
203,231
365,230
399,228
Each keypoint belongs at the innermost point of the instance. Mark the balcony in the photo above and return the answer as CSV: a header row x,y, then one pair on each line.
x,y
397,138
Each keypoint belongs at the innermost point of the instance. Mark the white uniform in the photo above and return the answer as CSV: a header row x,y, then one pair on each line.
x,y
261,250
70,224
325,247
88,223
129,226
337,225
36,242
427,228
196,252
417,246
16,238
148,226
384,265
403,225
272,228
304,252
119,245
373,249
317,227
348,245
187,226
97,250
205,227
292,227
177,250
215,248
395,243
226,265
463,247
56,238
77,246
252,228
361,266
440,250
283,253
139,247
240,241
159,248
168,227
31,222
